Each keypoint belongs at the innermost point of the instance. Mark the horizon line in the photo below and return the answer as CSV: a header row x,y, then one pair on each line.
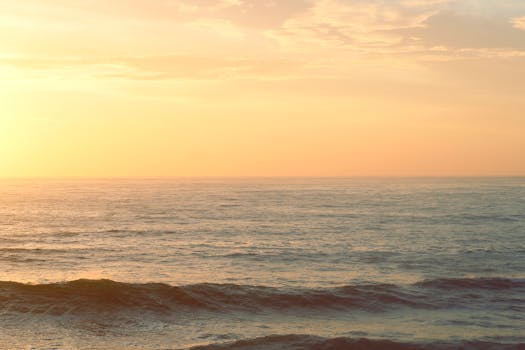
x,y
167,177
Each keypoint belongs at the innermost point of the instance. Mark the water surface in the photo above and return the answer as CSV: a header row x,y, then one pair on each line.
x,y
176,263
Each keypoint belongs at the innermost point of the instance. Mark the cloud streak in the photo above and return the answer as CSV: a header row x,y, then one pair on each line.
x,y
158,67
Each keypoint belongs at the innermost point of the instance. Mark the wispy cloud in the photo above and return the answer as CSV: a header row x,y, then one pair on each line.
x,y
224,39
519,22
466,31
157,67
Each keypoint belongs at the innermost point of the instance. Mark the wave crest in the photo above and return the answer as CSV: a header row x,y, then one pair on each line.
x,y
308,342
474,283
105,295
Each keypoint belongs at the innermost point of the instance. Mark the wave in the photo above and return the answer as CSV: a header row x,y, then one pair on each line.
x,y
475,283
53,251
105,295
308,342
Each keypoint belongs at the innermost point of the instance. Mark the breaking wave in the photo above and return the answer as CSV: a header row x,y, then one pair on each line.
x,y
307,342
105,295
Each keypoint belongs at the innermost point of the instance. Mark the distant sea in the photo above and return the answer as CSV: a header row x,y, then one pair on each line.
x,y
357,263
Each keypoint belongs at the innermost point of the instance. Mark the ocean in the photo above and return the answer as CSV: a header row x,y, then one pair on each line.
x,y
262,263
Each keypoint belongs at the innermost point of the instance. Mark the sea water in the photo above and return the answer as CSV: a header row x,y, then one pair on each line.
x,y
262,263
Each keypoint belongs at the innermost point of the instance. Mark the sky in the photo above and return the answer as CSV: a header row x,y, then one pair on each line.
x,y
262,88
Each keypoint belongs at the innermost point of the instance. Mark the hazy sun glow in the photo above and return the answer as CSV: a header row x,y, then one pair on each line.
x,y
256,87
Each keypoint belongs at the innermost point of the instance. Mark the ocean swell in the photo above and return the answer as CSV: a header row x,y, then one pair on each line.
x,y
109,296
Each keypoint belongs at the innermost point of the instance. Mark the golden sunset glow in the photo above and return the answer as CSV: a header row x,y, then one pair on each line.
x,y
262,88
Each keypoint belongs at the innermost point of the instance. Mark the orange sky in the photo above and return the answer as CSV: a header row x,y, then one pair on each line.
x,y
262,88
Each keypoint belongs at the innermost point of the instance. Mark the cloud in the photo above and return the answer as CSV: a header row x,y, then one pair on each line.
x,y
423,3
519,23
262,14
246,13
354,23
156,67
223,39
453,30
